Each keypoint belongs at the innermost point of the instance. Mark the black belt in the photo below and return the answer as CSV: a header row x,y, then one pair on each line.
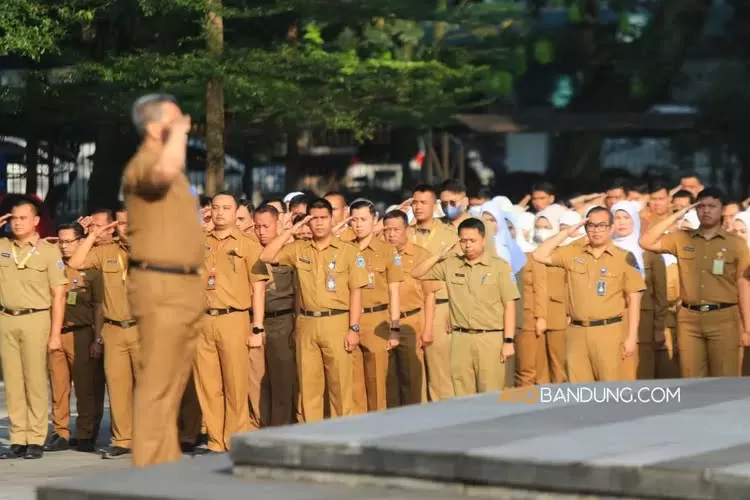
x,y
474,330
321,314
596,322
73,328
276,314
122,324
410,313
441,301
20,312
222,312
137,264
381,307
708,307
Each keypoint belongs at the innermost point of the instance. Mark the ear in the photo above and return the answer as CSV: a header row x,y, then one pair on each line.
x,y
36,220
153,130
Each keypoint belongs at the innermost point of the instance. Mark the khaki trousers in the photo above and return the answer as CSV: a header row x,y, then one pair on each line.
x,y
370,363
709,342
74,364
191,417
437,357
406,383
221,377
324,366
476,364
168,308
668,358
121,352
23,349
594,353
540,359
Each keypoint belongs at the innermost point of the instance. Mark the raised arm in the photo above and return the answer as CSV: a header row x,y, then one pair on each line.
x,y
543,253
651,239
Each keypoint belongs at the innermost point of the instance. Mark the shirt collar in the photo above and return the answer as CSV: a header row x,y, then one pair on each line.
x,y
234,234
409,249
32,243
722,233
609,248
484,260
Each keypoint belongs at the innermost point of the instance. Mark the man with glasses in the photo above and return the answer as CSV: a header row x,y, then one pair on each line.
x,y
80,359
604,288
455,203
712,265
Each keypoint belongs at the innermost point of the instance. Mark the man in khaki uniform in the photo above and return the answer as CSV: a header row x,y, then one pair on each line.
x,y
329,280
455,203
165,289
222,370
379,326
712,264
281,367
120,330
406,384
532,364
604,284
32,307
434,236
482,292
653,316
80,360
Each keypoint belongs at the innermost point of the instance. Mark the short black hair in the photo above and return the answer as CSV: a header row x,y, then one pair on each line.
x,y
481,193
472,223
619,183
119,208
226,193
25,200
425,188
334,193
684,193
319,203
712,192
102,210
657,185
544,187
453,186
639,188
298,200
72,226
276,200
205,201
249,205
396,214
357,204
267,209
733,202
598,209
690,174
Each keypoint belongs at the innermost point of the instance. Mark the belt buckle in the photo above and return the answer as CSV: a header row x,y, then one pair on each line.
x,y
14,313
705,308
586,323
124,324
213,312
317,314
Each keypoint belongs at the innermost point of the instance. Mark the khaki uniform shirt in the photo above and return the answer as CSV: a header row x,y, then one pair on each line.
x,y
556,314
383,264
534,276
232,261
339,264
654,299
29,273
413,291
85,293
347,234
478,292
163,226
112,260
597,287
709,269
434,239
280,288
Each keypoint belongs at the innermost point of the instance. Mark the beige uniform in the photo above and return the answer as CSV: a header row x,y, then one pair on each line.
x,y
27,275
478,294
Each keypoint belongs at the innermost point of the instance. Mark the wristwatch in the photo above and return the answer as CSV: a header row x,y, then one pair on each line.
x,y
354,328
509,340
99,341
396,329
257,330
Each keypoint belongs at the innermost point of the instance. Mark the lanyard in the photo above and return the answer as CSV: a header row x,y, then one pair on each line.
x,y
429,238
22,263
122,266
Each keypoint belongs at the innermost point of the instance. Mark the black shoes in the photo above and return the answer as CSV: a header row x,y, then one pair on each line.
x,y
113,452
34,452
187,448
85,445
56,443
15,451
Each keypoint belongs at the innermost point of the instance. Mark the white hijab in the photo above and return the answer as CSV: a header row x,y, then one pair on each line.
x,y
571,218
744,217
506,247
523,222
552,214
630,242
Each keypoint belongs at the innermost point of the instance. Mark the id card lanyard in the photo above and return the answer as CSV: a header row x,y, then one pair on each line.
x,y
21,264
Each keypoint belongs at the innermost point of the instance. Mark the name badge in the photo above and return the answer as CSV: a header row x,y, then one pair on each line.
x,y
304,260
460,275
601,288
689,249
718,267
370,280
211,283
72,298
331,283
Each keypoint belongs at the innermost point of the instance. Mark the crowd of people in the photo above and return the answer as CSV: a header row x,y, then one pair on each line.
x,y
313,308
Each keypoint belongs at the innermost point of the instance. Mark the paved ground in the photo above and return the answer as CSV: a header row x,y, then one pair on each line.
x,y
19,478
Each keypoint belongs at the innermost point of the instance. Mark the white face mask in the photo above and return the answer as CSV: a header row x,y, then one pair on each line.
x,y
542,235
475,211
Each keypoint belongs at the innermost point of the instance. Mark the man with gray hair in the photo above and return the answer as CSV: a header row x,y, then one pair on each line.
x,y
165,283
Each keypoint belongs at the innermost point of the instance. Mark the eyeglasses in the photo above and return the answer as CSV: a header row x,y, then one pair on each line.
x,y
602,226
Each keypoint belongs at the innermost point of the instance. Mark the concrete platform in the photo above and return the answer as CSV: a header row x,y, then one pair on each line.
x,y
697,447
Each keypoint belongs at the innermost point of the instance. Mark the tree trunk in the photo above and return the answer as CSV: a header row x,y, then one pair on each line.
x,y
214,105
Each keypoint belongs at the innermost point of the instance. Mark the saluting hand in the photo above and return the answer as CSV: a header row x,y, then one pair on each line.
x,y
100,230
182,125
573,229
446,251
338,227
298,225
4,219
85,223
404,206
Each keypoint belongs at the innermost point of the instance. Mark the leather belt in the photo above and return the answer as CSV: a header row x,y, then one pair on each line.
x,y
122,324
708,307
73,328
381,307
441,301
145,266
410,313
222,312
276,314
474,330
322,314
20,312
596,322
